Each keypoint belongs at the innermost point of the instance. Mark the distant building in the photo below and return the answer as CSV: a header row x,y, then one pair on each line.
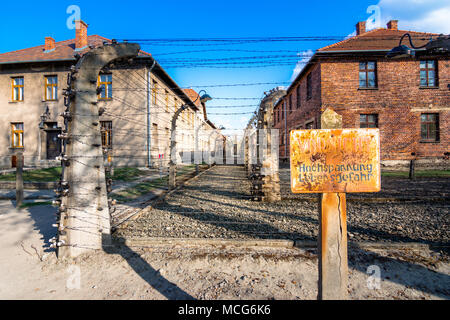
x,y
31,84
407,99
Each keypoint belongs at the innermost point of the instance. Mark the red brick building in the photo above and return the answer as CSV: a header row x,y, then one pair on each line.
x,y
407,98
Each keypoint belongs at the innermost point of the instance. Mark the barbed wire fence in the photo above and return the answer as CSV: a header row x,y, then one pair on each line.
x,y
129,126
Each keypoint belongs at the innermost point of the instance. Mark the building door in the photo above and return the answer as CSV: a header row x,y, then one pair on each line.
x,y
13,161
53,144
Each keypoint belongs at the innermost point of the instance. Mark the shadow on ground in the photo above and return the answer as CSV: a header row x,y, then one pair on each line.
x,y
152,276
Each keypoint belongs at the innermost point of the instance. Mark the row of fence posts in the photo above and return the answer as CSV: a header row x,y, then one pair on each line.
x,y
263,171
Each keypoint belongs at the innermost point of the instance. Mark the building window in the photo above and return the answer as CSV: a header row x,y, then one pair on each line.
x,y
106,130
275,113
154,91
167,100
298,96
17,89
309,86
368,121
428,74
51,88
367,74
17,135
283,108
290,103
309,125
105,83
429,127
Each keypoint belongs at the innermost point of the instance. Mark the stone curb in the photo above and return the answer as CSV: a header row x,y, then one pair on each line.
x,y
272,243
148,242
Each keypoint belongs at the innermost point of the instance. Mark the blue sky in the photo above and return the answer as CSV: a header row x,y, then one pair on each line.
x,y
26,24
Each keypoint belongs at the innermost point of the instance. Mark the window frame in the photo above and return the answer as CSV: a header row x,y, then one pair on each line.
x,y
106,134
309,86
427,123
21,88
299,96
21,135
105,83
366,71
154,92
275,113
290,103
427,69
366,122
309,123
166,99
51,85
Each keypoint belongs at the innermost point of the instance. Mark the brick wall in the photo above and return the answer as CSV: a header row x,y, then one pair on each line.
x,y
398,101
300,114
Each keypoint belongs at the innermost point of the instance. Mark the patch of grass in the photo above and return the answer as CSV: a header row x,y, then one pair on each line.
x,y
34,204
128,174
143,188
38,175
418,173
139,190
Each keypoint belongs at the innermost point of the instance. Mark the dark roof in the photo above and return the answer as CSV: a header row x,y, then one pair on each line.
x,y
64,50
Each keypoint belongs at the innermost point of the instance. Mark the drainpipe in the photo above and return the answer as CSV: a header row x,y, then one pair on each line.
x,y
149,105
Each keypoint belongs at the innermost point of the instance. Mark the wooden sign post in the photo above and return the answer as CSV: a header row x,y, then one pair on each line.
x,y
333,161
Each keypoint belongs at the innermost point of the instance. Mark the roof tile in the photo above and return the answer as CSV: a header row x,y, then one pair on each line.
x,y
378,39
64,50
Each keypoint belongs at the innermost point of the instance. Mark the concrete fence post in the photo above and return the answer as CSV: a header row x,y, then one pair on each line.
x,y
173,152
84,218
269,159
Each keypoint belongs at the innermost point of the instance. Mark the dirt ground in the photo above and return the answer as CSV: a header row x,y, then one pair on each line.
x,y
30,270
175,272
224,273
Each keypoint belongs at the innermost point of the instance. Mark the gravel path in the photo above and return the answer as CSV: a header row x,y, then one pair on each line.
x,y
391,187
217,205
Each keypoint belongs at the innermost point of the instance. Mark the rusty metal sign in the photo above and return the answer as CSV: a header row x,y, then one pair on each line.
x,y
335,160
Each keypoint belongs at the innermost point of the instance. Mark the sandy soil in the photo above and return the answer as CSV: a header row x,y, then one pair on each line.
x,y
216,273
30,271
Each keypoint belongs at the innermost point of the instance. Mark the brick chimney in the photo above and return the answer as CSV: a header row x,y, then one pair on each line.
x,y
81,40
49,44
392,25
360,28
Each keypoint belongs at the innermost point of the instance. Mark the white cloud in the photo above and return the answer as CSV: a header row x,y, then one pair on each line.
x,y
417,15
305,57
436,21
